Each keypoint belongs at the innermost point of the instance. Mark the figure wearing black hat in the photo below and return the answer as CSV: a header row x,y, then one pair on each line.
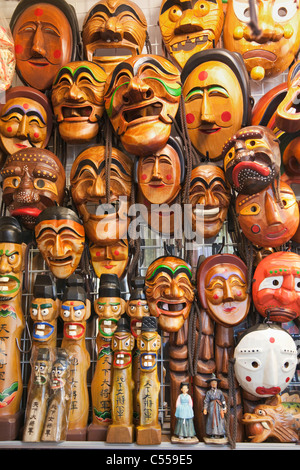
x,y
215,408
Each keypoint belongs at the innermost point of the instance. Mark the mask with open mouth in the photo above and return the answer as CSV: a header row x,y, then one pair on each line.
x,y
137,306
287,115
222,289
112,31
122,345
190,27
105,222
148,343
276,287
33,179
142,97
269,51
169,291
252,159
77,99
46,36
60,237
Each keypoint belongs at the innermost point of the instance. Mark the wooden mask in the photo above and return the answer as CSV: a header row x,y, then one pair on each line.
x,y
272,49
46,36
77,99
112,258
291,163
75,309
113,31
11,258
137,306
190,27
210,198
104,222
60,237
276,287
262,219
25,120
169,291
252,159
222,289
287,116
33,179
216,94
142,97
122,346
149,343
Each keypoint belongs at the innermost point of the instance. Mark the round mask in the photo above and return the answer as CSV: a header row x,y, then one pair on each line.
x,y
210,197
265,360
46,36
287,116
25,120
104,223
252,159
276,287
222,289
142,97
33,179
169,292
271,51
263,221
113,30
190,27
77,99
112,258
216,94
60,237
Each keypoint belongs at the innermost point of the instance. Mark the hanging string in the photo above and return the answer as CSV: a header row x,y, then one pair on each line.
x,y
231,433
193,347
108,155
253,23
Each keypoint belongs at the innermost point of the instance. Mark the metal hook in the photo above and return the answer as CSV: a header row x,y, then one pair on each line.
x,y
30,340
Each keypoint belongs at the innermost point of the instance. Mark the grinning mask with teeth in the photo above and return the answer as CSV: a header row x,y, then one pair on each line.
x,y
60,237
137,306
252,159
104,222
77,99
142,97
169,291
188,27
113,30
270,49
148,344
222,289
210,197
122,345
33,179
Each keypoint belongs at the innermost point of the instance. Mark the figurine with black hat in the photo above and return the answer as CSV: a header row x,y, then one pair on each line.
x,y
215,408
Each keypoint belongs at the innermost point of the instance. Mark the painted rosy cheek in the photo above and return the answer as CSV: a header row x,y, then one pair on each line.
x,y
226,116
97,253
36,135
248,378
169,177
287,379
215,296
144,177
57,54
117,252
190,118
239,293
9,129
19,48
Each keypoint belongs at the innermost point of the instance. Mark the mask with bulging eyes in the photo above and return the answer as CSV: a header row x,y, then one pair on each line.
x,y
77,99
269,50
113,31
105,222
142,97
265,360
190,27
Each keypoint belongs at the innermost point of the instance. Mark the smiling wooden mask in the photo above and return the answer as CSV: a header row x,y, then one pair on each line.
x,y
105,221
46,36
113,31
252,159
142,97
169,291
188,27
77,99
287,115
112,258
33,179
216,94
270,51
25,120
222,289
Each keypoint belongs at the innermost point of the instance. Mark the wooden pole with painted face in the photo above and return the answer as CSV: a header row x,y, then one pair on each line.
x,y
109,306
122,429
12,323
75,311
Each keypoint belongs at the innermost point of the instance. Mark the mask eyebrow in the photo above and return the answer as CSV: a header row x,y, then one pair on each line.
x,y
205,183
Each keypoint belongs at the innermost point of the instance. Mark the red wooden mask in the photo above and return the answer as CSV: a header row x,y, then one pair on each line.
x,y
141,97
269,51
33,179
262,219
287,115
113,31
252,159
25,120
46,37
169,291
276,287
77,99
105,222
222,289
188,27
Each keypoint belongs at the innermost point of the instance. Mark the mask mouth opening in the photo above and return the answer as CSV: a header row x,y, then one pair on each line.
x,y
101,209
189,44
111,51
150,110
60,261
171,307
75,112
